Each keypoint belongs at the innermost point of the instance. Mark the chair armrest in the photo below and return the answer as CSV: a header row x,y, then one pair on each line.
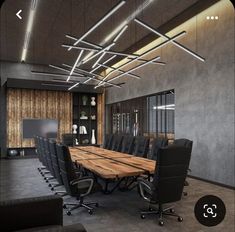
x,y
26,213
145,187
85,180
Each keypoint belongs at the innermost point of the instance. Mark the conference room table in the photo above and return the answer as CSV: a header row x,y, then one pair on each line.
x,y
111,165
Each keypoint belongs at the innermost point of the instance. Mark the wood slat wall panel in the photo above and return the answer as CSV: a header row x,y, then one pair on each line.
x,y
22,103
100,112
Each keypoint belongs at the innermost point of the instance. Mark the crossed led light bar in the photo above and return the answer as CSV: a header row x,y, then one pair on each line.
x,y
98,51
168,40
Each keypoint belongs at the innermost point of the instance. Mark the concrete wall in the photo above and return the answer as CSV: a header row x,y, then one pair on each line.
x,y
204,92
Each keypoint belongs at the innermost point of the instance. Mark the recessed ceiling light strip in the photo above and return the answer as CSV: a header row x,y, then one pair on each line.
x,y
172,41
73,86
119,70
75,64
29,29
146,53
111,12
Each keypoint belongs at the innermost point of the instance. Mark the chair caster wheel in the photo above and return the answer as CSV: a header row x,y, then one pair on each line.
x,y
161,223
96,205
49,185
64,207
142,216
172,210
150,209
90,212
52,189
68,213
47,181
180,219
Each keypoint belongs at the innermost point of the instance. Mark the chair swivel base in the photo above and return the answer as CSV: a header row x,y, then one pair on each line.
x,y
161,212
79,205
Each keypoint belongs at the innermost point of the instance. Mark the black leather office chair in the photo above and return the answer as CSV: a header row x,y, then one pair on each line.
x,y
117,143
185,143
127,144
168,182
55,164
75,186
156,145
39,153
67,139
44,171
49,161
141,146
108,141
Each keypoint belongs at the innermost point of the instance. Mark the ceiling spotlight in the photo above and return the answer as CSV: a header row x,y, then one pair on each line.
x,y
216,17
212,17
207,17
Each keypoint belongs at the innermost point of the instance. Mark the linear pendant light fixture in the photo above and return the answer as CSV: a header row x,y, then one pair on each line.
x,y
95,49
56,74
111,12
135,68
73,86
142,55
93,70
119,70
75,64
172,41
29,29
88,73
114,42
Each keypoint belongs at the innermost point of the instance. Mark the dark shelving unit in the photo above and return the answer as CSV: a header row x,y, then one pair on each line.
x,y
84,107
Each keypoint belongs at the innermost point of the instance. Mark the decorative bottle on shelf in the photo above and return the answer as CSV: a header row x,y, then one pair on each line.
x,y
93,140
93,103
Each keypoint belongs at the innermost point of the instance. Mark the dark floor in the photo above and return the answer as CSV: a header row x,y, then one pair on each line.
x,y
119,211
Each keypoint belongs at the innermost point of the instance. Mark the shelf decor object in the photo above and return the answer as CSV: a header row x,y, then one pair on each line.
x,y
93,103
82,130
76,142
84,100
74,127
83,115
93,140
93,117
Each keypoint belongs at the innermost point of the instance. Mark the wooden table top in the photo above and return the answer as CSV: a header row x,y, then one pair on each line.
x,y
111,164
110,169
82,155
104,152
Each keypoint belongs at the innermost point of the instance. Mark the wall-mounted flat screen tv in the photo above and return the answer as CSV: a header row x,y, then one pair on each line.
x,y
42,127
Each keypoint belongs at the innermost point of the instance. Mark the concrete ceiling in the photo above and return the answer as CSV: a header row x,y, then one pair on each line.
x,y
55,18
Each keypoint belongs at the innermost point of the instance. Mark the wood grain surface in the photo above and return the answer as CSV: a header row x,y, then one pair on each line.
x,y
25,104
111,164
